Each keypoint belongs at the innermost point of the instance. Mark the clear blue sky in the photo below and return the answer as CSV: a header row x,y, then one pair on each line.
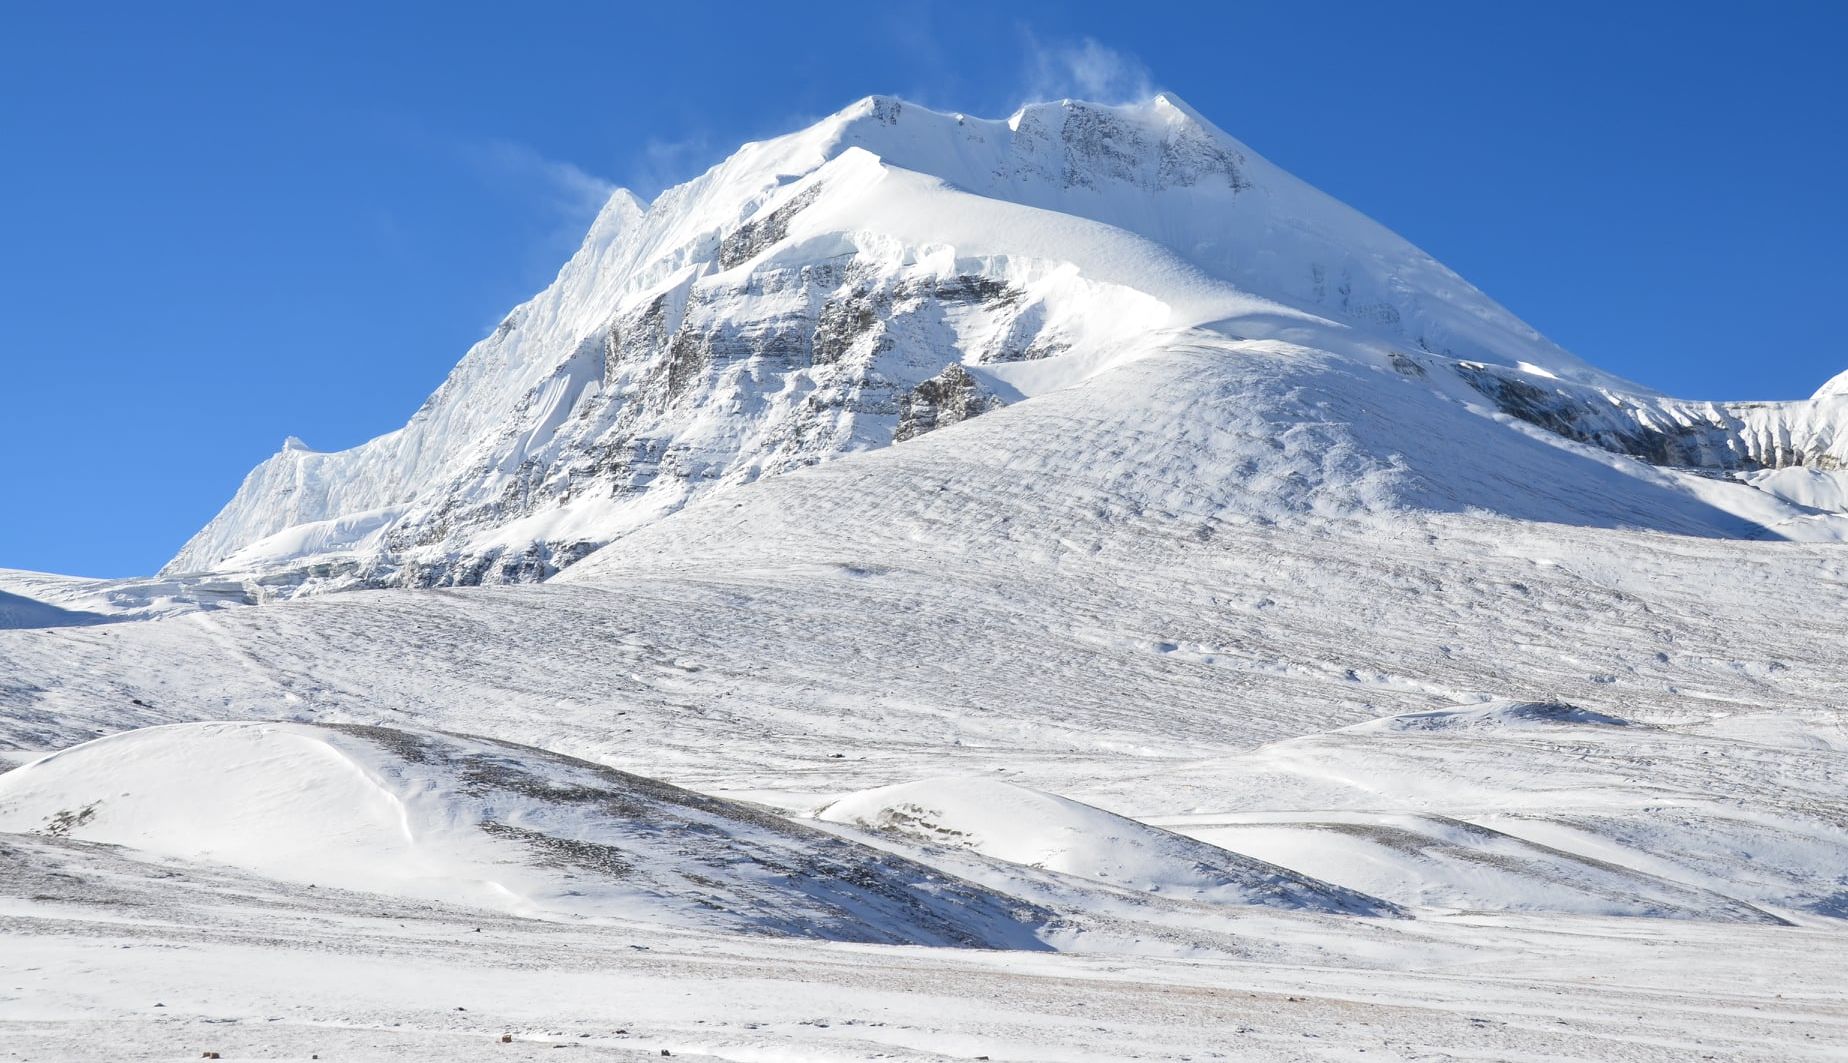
x,y
221,225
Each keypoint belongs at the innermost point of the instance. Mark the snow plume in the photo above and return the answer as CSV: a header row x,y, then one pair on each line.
x,y
661,164
1086,70
567,188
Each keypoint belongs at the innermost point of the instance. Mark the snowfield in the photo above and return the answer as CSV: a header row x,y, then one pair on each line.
x,y
933,588
144,959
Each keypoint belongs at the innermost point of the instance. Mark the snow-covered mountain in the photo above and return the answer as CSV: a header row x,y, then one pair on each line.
x,y
1068,536
892,270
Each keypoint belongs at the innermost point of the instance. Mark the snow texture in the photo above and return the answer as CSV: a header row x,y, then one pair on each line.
x,y
1048,588
893,270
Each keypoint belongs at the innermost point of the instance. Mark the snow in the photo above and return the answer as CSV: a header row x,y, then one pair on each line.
x,y
1824,489
778,311
1519,807
43,599
255,969
1251,679
485,825
19,611
1024,826
346,534
1835,388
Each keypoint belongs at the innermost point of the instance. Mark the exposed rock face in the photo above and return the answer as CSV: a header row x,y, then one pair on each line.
x,y
828,358
1092,146
754,237
944,399
746,374
1709,436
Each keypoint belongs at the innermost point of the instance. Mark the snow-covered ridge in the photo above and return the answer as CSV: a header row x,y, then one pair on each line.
x,y
885,272
1714,436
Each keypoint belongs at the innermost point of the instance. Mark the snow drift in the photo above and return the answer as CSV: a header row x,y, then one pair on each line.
x,y
1054,833
489,824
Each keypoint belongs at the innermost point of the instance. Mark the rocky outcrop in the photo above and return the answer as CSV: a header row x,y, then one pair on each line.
x,y
950,396
755,237
718,383
1705,436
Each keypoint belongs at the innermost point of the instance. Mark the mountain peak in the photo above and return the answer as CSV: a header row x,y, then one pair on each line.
x,y
1168,102
1162,108
888,271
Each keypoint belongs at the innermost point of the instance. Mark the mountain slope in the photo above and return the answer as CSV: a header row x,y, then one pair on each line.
x,y
886,273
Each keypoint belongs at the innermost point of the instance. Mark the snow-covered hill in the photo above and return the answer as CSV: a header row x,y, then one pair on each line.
x,y
489,825
1043,830
891,271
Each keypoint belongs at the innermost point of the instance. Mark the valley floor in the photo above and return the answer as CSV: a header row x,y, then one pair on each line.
x,y
110,958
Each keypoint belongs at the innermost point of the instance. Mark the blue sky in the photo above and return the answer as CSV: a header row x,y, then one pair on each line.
x,y
221,225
